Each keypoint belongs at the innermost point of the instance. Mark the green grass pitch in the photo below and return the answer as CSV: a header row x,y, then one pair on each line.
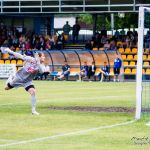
x,y
18,125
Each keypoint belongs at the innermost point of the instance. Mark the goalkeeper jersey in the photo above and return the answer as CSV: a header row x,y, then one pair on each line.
x,y
29,70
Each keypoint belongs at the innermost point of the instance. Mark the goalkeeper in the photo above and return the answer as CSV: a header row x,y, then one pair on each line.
x,y
24,77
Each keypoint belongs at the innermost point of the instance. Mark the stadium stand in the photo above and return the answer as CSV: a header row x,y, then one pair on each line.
x,y
127,71
127,50
129,57
19,62
13,62
2,62
7,61
5,56
132,63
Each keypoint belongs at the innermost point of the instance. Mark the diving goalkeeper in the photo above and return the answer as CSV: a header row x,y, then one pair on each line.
x,y
24,77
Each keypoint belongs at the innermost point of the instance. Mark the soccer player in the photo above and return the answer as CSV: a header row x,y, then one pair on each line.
x,y
65,71
104,71
117,66
24,77
91,71
83,71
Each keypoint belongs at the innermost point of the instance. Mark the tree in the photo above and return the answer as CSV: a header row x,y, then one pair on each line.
x,y
130,20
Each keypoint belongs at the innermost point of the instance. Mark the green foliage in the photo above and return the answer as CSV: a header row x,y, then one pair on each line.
x,y
129,21
103,20
86,18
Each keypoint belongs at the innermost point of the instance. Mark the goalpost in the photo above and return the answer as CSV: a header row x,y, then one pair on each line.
x,y
143,75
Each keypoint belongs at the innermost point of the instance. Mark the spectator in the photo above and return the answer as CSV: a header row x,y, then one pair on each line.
x,y
75,32
15,41
52,42
117,66
28,44
22,45
129,32
128,41
113,45
47,45
60,42
117,35
42,43
46,72
88,45
135,34
104,72
104,31
107,45
33,41
66,28
147,40
98,40
122,33
65,71
91,71
103,40
83,71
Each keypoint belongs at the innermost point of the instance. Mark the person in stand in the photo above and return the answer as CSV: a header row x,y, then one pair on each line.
x,y
75,32
66,28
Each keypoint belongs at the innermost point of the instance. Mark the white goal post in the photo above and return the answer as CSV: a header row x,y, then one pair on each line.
x,y
140,61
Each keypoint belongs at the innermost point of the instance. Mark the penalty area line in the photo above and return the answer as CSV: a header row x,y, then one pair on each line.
x,y
80,132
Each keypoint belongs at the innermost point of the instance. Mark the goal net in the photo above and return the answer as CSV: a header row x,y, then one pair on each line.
x,y
143,62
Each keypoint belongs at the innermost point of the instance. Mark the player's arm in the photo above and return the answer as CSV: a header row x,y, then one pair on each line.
x,y
68,69
101,70
7,50
17,55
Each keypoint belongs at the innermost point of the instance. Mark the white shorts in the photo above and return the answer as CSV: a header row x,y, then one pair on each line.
x,y
15,82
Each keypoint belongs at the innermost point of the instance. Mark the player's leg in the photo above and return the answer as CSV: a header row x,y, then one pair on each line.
x,y
31,90
105,76
9,82
115,76
93,74
89,75
118,72
66,75
61,76
79,76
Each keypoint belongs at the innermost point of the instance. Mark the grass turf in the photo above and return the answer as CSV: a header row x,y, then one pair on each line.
x,y
17,124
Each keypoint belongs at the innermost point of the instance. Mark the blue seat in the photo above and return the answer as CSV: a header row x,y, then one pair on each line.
x,y
53,75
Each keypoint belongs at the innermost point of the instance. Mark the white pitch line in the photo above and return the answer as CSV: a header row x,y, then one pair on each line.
x,y
68,134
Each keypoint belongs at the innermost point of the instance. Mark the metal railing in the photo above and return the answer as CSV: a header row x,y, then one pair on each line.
x,y
69,6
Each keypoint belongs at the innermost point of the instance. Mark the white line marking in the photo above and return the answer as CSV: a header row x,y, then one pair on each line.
x,y
68,134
